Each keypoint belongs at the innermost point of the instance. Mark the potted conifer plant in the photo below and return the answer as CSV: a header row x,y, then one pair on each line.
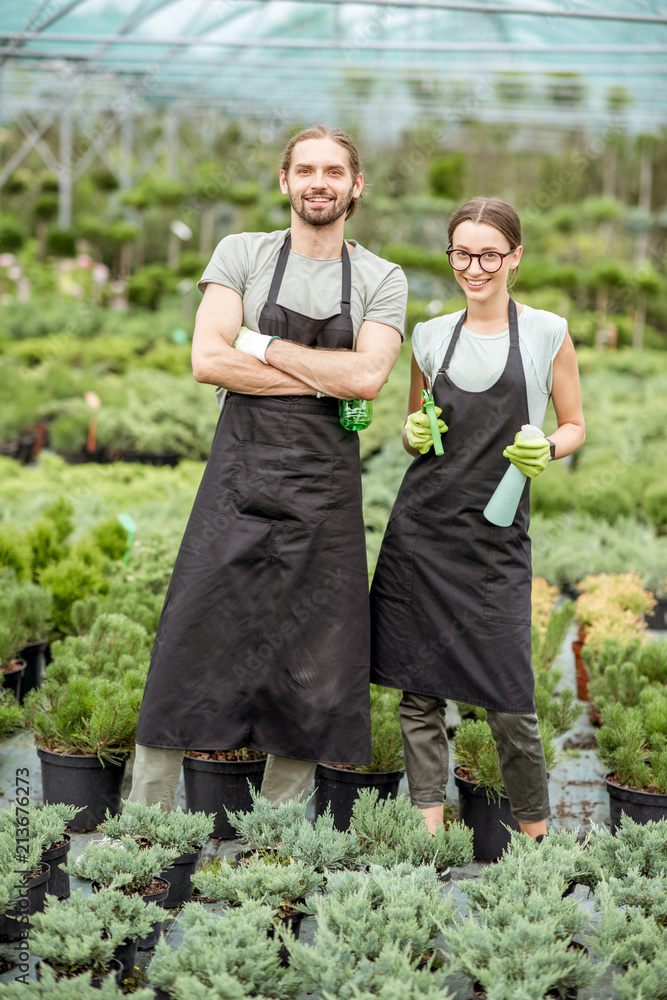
x,y
77,988
89,931
85,716
631,743
47,828
228,955
185,833
11,714
483,804
337,785
25,610
23,879
128,868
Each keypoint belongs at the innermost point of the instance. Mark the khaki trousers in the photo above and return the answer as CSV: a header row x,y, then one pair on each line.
x,y
520,751
157,770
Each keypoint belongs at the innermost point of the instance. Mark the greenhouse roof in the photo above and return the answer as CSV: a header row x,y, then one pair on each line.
x,y
386,64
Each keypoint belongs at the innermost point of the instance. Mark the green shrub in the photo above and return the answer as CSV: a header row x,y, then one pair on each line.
x,y
122,864
110,537
12,234
386,736
45,546
645,980
625,744
226,957
392,831
11,714
68,580
18,858
46,823
14,552
70,940
281,886
60,242
655,505
625,936
183,832
446,175
77,988
147,285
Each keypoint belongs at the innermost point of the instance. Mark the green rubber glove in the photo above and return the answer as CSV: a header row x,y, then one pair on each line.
x,y
418,430
530,455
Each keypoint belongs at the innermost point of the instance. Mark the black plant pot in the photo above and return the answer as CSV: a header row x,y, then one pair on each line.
x,y
14,924
485,818
161,994
178,875
58,884
211,786
658,617
338,788
639,806
148,942
126,954
96,982
82,781
35,664
291,924
12,678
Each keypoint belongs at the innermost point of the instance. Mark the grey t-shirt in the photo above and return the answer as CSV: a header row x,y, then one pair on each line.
x,y
479,360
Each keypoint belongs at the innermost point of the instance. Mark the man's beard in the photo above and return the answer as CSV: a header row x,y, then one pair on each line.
x,y
320,217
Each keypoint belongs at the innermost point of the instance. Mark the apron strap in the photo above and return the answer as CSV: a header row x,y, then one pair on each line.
x,y
514,334
283,257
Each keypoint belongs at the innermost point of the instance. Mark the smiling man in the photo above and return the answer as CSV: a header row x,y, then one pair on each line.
x,y
264,637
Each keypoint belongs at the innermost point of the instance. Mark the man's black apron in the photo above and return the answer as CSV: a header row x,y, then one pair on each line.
x,y
450,601
264,638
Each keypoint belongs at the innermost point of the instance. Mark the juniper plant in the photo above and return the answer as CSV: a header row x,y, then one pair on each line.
x,y
365,911
638,846
121,864
646,894
46,823
393,830
520,958
644,981
224,957
334,973
283,887
18,859
263,826
77,988
11,713
70,940
179,831
625,936
116,916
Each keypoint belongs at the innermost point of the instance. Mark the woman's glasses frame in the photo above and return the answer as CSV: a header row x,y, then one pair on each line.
x,y
488,270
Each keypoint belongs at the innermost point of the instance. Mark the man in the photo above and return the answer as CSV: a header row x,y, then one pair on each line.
x,y
264,636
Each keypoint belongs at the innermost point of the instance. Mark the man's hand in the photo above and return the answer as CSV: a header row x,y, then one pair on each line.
x,y
418,430
530,455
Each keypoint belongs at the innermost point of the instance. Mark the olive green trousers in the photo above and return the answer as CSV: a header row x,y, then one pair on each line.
x,y
520,750
157,770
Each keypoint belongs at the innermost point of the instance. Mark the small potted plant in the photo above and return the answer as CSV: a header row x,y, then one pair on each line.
x,y
125,866
89,931
636,942
11,714
232,953
47,828
185,833
284,832
392,831
631,744
25,610
23,879
640,847
483,804
337,785
85,716
77,988
282,885
220,780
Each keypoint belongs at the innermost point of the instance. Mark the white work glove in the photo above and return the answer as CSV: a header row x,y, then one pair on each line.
x,y
253,343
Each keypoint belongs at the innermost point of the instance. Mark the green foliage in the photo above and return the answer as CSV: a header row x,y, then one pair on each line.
x,y
42,537
147,285
121,864
77,988
25,611
14,552
475,750
625,936
281,886
67,581
11,714
644,980
110,538
12,234
638,846
60,242
546,643
393,831
228,956
19,857
46,823
263,825
386,736
625,744
183,832
446,175
646,894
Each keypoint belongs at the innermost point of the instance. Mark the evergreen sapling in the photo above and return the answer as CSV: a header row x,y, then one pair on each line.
x,y
77,988
121,864
281,886
183,832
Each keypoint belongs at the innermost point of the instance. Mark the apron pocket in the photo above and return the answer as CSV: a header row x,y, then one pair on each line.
x,y
508,578
394,573
287,485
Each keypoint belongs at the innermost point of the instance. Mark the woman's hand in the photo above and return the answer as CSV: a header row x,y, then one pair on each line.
x,y
418,430
529,454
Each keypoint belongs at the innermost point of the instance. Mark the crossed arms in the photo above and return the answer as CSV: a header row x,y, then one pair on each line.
x,y
293,369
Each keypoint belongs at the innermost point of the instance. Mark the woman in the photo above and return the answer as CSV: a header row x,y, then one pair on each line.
x,y
450,600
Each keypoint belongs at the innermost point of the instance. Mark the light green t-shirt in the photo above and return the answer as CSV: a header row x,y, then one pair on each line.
x,y
479,360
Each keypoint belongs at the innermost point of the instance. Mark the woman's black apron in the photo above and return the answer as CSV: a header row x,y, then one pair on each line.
x,y
264,638
451,595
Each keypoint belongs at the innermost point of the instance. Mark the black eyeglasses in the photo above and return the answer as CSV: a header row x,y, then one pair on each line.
x,y
489,261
